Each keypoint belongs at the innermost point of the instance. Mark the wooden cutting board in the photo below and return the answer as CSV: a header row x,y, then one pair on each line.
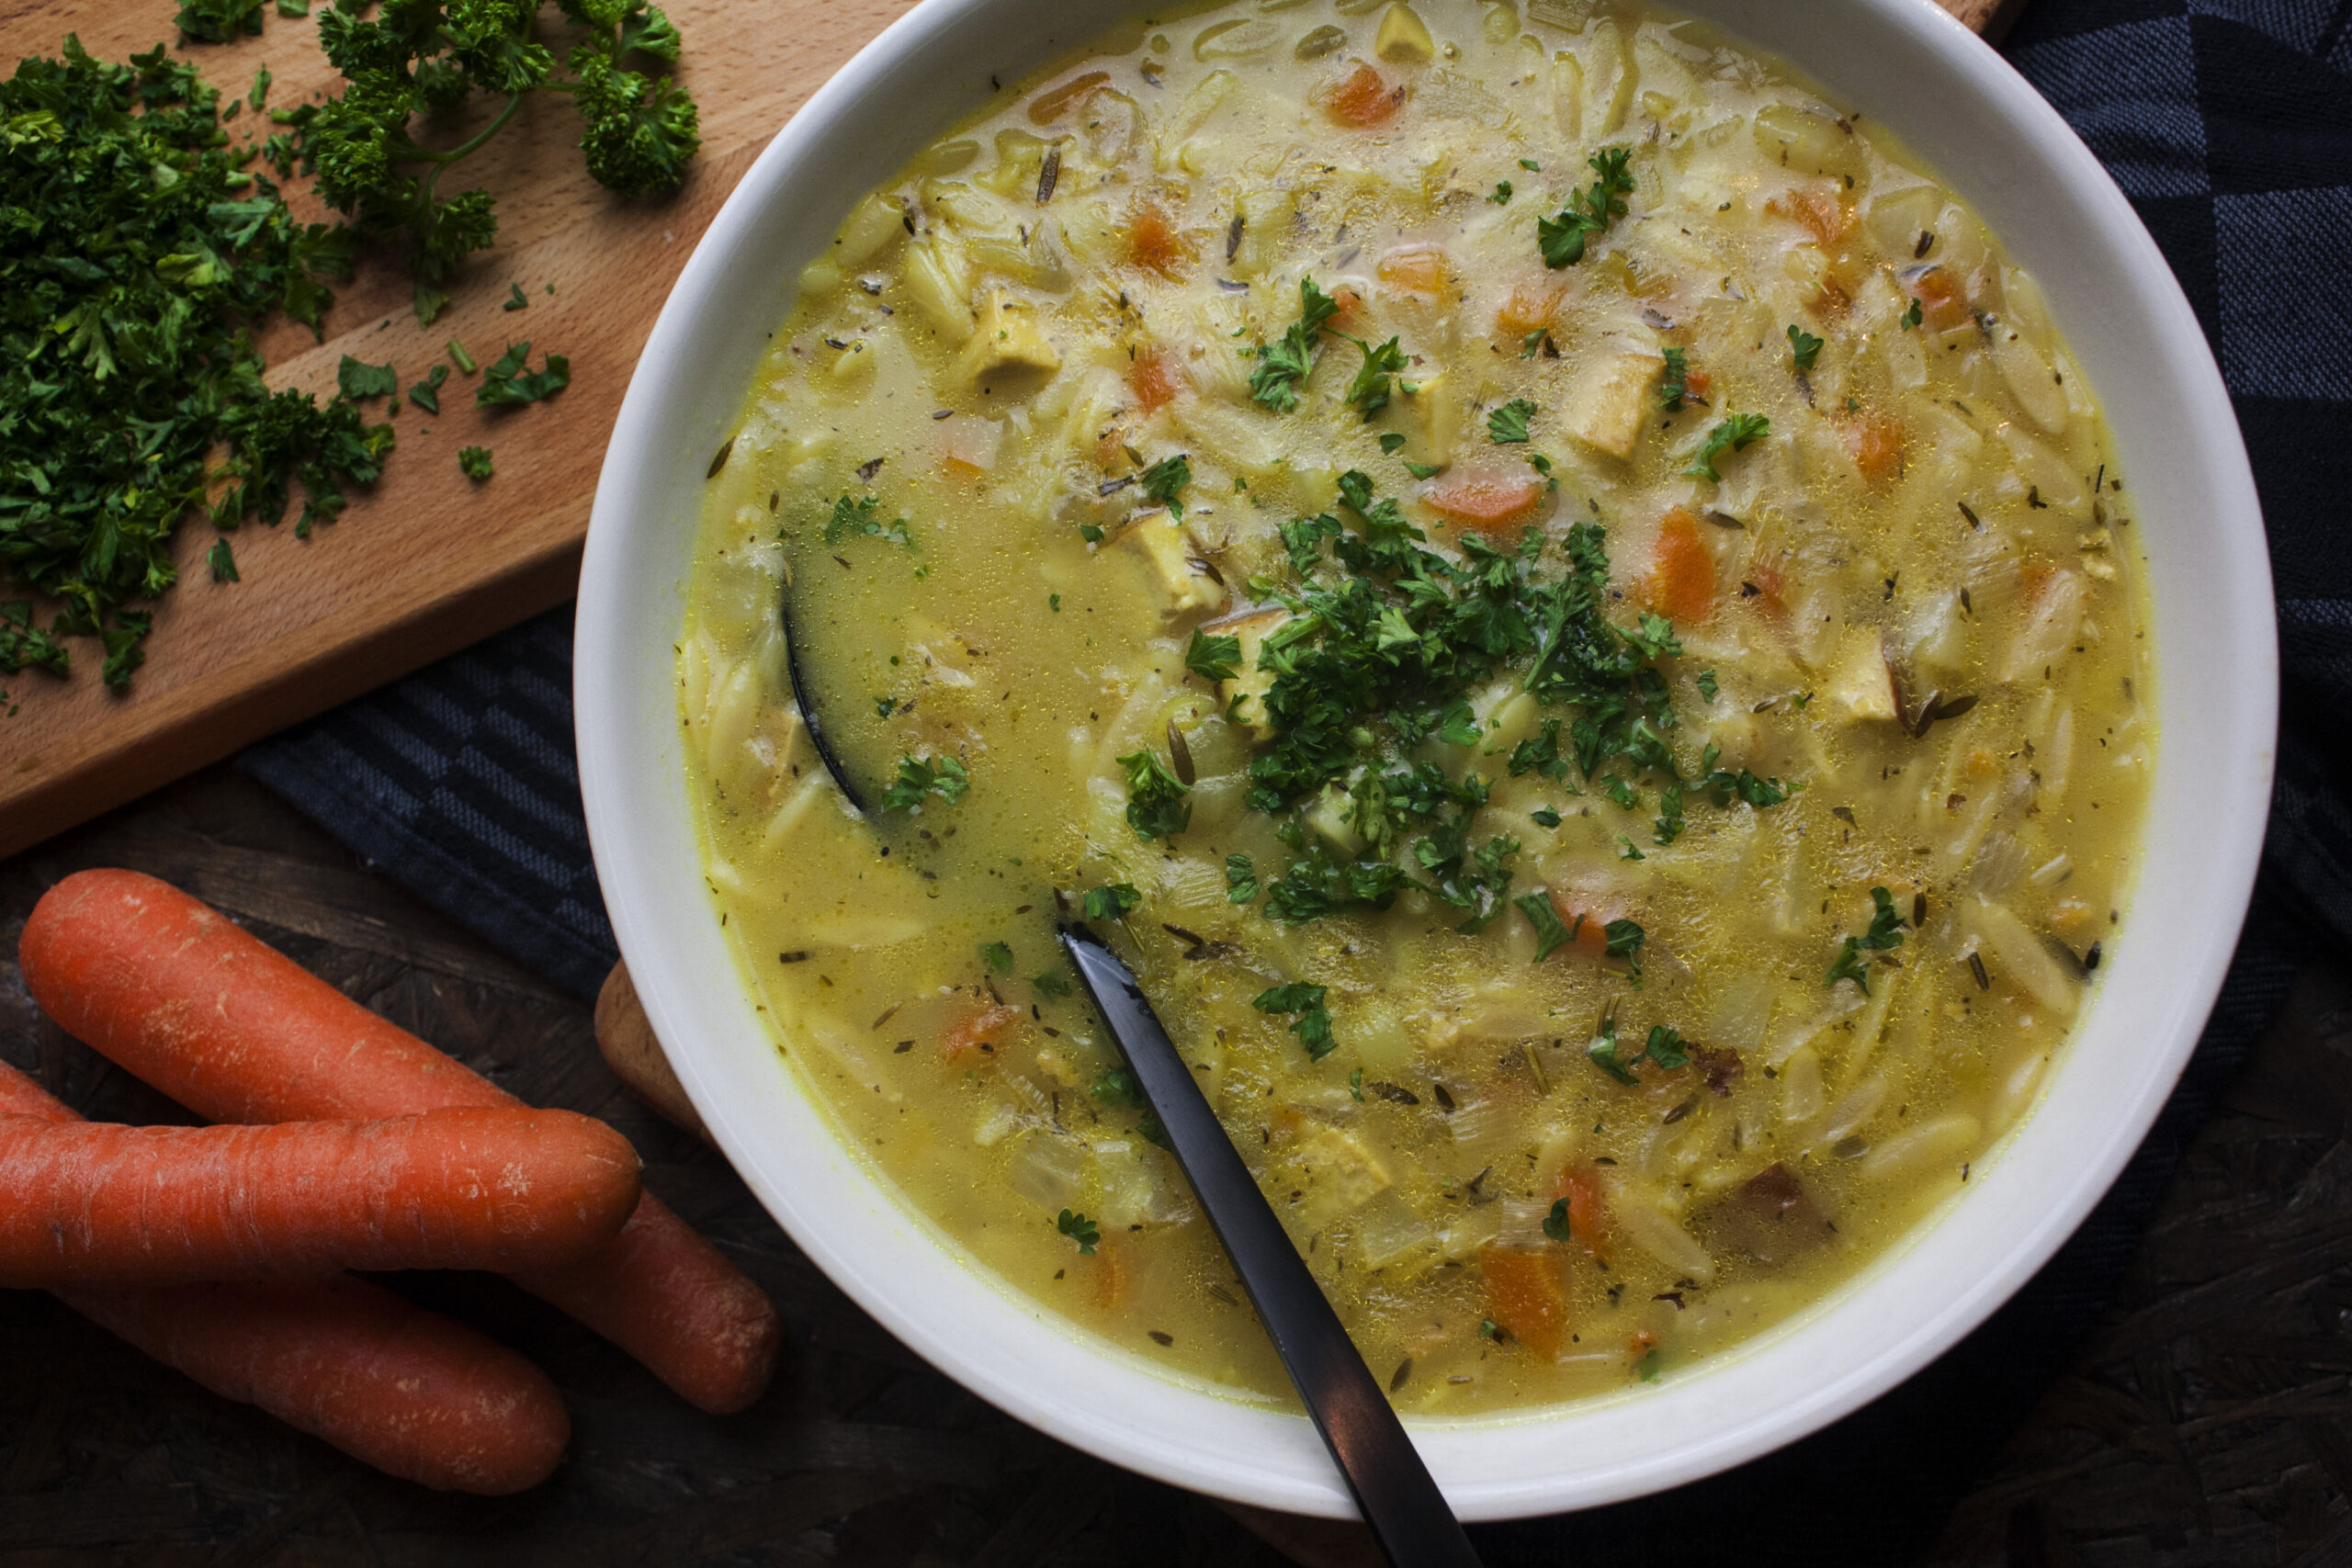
x,y
429,560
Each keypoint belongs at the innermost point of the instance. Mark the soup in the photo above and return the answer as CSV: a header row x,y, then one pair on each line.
x,y
1558,599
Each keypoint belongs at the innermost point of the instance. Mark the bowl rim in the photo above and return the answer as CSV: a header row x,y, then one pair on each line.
x,y
1738,1404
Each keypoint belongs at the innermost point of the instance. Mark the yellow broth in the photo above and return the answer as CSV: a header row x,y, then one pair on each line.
x,y
1908,716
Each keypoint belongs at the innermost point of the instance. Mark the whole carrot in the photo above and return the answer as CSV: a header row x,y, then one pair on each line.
x,y
405,1390
176,995
94,1205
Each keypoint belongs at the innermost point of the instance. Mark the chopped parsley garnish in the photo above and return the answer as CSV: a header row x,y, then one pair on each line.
x,y
1623,940
1622,793
1391,444
1282,364
1627,850
1110,903
424,60
1355,1084
1555,1224
1562,238
1707,687
1050,986
1664,1047
1738,433
854,518
515,299
1506,426
1676,386
357,379
223,562
1502,194
1212,657
1240,879
996,956
1803,347
1910,318
1163,481
1116,1086
1054,603
884,705
1080,1229
1670,824
1311,1021
475,462
426,394
507,384
1369,391
1545,816
1156,806
1550,932
1422,470
920,777
1885,935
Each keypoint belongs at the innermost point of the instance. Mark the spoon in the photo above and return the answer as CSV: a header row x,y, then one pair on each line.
x,y
1407,1513
818,737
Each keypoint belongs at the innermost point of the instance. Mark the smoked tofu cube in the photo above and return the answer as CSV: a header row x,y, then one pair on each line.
x,y
1162,541
1340,1174
1007,337
1609,401
1861,685
1248,683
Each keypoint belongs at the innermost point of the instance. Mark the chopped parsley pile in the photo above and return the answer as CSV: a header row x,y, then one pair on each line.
x,y
144,249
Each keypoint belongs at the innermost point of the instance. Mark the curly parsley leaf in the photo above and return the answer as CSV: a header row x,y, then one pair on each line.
x,y
855,517
475,462
426,394
1282,364
1675,387
1550,932
1885,935
1080,1229
1803,347
1369,389
1562,237
1623,939
1156,806
1165,479
357,379
1213,656
1310,1019
1507,425
1112,902
1240,879
1738,433
509,384
921,777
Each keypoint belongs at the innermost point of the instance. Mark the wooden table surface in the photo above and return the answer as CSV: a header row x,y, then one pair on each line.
x,y
2207,1423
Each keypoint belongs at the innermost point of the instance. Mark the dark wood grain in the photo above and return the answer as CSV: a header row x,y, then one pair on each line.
x,y
2207,1423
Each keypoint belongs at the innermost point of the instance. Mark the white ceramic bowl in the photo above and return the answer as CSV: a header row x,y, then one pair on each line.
x,y
1984,130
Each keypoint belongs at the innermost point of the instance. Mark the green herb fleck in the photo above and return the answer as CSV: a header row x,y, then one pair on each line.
x,y
426,394
1507,425
223,561
1550,932
1803,347
1885,935
1164,479
1738,433
1911,317
1240,879
1156,806
921,777
1502,194
1676,388
1545,816
508,384
1080,1229
475,462
356,378
1282,364
1369,389
1050,986
1707,687
1562,238
515,299
1312,1020
996,956
1110,903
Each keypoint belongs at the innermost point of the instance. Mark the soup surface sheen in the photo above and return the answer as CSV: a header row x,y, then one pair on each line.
x,y
1561,601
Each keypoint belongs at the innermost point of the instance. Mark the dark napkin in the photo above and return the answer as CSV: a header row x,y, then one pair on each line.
x,y
2229,125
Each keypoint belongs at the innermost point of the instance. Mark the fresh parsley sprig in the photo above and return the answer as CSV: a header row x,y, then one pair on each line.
x,y
1310,1019
1885,935
1284,364
1738,433
921,777
1803,347
1157,803
1506,426
1561,236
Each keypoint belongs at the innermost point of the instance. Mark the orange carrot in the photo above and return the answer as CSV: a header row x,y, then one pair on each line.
x,y
105,1206
1580,1185
1589,931
977,1031
1533,304
1363,98
1416,269
1823,217
1153,241
405,1390
1154,380
1681,583
1491,502
178,996
1526,1296
1876,442
1943,302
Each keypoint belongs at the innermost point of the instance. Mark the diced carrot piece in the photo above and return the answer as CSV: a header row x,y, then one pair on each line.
x,y
1533,304
1588,1218
1363,98
1876,442
1052,105
1416,269
1527,1296
1153,241
1642,1343
1943,302
1766,587
1348,301
1154,381
978,1030
968,444
1110,1276
1832,298
1697,384
1681,583
1826,218
1587,938
1491,502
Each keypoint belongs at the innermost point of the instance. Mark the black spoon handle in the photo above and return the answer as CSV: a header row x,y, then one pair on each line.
x,y
1407,1512
819,737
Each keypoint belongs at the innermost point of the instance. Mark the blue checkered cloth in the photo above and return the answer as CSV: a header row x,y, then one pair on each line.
x,y
2229,125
